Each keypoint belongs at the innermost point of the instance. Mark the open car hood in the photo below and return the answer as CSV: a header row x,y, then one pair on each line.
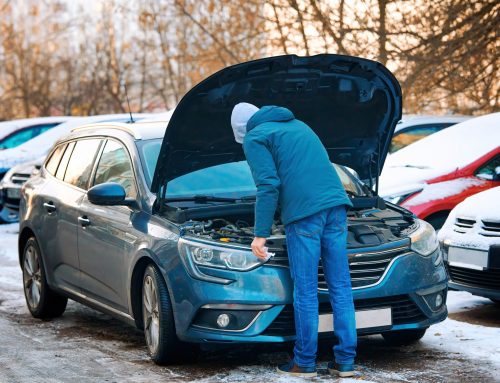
x,y
352,104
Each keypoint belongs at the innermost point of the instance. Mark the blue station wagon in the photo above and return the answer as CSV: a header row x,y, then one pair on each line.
x,y
151,222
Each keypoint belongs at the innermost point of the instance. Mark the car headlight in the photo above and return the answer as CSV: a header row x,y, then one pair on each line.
x,y
7,176
424,240
397,199
202,254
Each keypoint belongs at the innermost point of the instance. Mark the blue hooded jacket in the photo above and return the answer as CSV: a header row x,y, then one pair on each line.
x,y
291,166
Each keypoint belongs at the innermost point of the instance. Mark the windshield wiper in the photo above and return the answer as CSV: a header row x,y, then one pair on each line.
x,y
208,198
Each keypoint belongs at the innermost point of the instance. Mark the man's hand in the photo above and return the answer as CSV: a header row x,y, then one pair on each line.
x,y
258,245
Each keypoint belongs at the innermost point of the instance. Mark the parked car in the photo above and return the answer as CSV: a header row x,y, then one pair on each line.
x,y
471,243
16,132
433,175
30,157
412,128
10,189
154,227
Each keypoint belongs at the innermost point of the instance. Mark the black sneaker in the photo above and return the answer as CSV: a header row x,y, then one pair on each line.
x,y
342,370
291,369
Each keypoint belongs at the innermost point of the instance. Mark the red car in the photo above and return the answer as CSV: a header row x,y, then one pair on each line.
x,y
433,175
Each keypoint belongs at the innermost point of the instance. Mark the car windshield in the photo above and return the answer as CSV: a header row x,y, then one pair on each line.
x,y
233,179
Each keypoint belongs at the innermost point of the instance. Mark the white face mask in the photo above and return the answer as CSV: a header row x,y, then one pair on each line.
x,y
242,112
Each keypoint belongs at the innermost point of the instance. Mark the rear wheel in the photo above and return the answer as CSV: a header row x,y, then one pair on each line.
x,y
403,337
159,328
41,300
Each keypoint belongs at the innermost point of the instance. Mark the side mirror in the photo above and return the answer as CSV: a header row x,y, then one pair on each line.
x,y
108,194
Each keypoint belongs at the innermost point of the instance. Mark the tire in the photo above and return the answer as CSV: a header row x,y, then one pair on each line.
x,y
437,220
42,301
403,337
158,319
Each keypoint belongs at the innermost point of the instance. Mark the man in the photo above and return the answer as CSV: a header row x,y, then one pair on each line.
x,y
291,166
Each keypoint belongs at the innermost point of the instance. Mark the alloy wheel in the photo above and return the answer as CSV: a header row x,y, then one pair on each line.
x,y
151,314
32,276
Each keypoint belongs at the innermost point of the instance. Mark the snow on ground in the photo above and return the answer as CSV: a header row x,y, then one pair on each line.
x,y
87,346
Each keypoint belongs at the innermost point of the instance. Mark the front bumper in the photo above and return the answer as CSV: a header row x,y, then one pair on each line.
x,y
407,287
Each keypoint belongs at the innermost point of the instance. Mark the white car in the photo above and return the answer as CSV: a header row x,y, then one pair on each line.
x,y
413,128
470,239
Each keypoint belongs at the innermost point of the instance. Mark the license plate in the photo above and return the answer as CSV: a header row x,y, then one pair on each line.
x,y
14,193
364,319
468,258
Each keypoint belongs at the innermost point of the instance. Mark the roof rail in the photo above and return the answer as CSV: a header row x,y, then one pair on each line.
x,y
123,128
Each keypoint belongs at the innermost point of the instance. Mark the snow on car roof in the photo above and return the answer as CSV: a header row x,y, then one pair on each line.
x,y
451,148
8,127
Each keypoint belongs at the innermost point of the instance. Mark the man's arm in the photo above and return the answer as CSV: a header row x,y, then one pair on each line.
x,y
266,179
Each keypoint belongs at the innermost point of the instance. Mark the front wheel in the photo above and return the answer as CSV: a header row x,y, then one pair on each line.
x,y
42,301
158,318
403,337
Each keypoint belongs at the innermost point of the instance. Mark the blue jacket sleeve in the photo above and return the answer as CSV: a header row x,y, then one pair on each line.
x,y
266,179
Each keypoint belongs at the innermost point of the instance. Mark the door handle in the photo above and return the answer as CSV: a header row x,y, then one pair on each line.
x,y
84,221
49,206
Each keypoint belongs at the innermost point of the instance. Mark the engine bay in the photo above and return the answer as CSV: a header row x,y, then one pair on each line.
x,y
366,226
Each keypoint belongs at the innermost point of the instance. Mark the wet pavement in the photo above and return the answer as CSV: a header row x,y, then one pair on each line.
x,y
87,346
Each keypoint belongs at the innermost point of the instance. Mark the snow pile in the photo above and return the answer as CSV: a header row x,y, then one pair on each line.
x,y
469,340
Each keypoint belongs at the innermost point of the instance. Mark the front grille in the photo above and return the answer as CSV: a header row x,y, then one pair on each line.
x,y
404,311
490,228
462,225
488,279
365,268
19,178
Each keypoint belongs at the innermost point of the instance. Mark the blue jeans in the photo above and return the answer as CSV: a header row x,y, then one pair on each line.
x,y
324,235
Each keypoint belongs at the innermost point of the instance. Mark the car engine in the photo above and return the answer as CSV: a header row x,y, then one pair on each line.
x,y
366,227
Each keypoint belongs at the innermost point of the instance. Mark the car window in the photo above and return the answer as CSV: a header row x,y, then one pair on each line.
x,y
491,170
61,169
55,158
20,136
115,166
81,162
408,136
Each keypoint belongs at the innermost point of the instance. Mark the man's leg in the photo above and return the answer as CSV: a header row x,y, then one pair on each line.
x,y
336,269
303,240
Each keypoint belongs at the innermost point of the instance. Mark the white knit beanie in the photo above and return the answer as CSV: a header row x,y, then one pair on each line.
x,y
242,112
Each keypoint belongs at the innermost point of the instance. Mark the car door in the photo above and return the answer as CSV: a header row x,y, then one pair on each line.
x,y
106,237
61,197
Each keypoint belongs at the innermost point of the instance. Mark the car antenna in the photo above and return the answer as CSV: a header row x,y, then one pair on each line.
x,y
128,103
